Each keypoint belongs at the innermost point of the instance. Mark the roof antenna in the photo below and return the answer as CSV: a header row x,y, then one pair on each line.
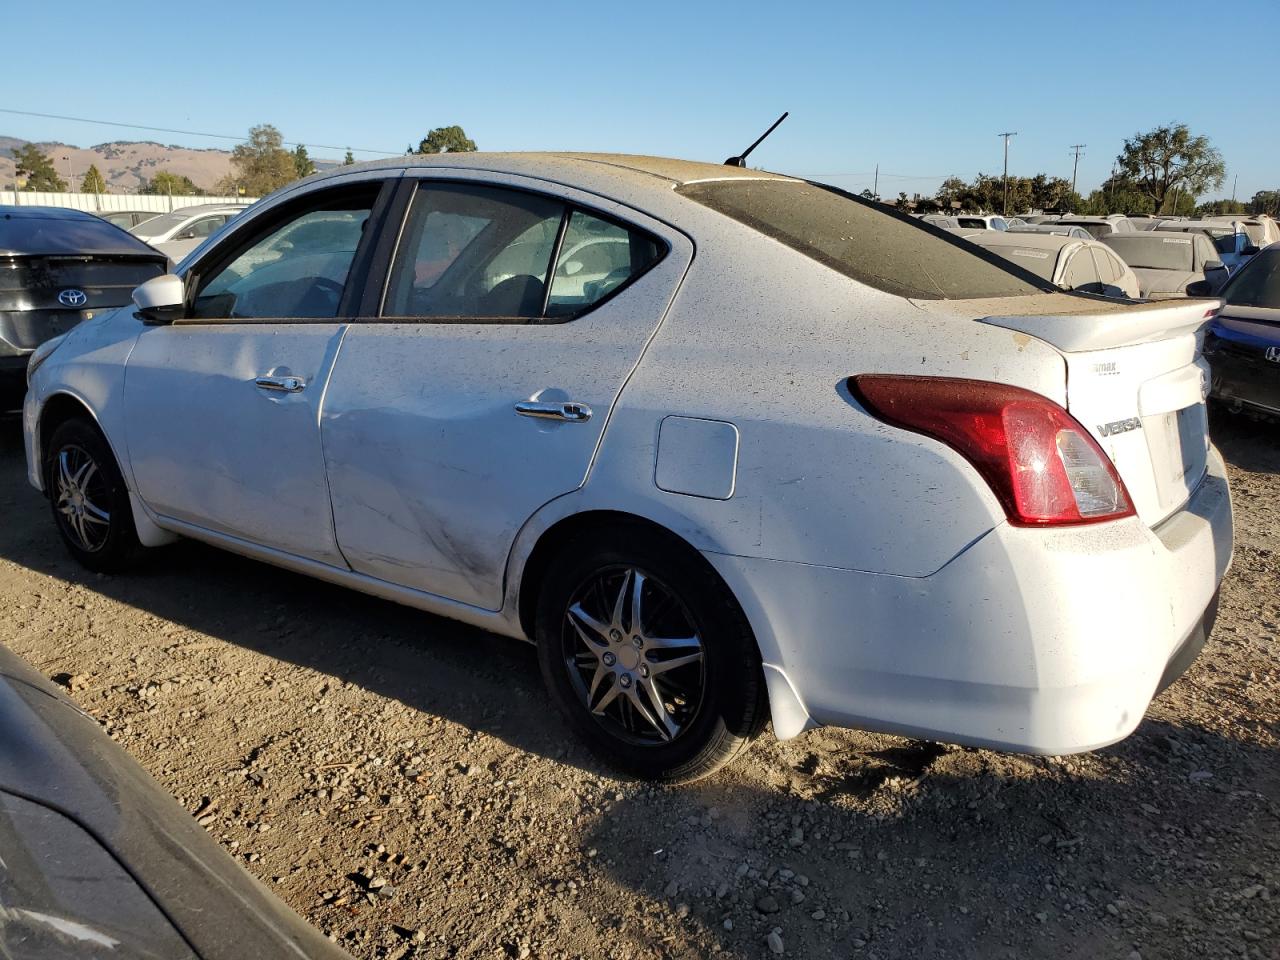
x,y
741,161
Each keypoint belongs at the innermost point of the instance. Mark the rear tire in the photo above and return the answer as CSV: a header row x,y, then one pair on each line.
x,y
671,695
89,499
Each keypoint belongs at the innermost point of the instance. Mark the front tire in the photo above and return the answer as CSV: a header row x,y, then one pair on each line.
x,y
648,656
89,500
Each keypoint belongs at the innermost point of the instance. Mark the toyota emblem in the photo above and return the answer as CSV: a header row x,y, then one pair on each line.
x,y
73,298
1273,354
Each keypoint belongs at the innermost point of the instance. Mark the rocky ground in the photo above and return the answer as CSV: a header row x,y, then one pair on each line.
x,y
404,784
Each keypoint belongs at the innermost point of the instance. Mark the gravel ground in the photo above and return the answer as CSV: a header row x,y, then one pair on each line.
x,y
404,783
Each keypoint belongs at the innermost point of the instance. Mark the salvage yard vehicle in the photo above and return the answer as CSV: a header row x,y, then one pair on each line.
x,y
59,267
825,471
99,861
126,218
1234,246
1072,263
1098,227
177,234
1262,230
1243,343
1055,229
1167,262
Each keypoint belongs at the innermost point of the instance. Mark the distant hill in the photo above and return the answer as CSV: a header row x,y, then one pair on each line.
x,y
127,165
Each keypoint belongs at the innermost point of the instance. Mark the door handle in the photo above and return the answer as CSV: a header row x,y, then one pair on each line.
x,y
281,384
564,410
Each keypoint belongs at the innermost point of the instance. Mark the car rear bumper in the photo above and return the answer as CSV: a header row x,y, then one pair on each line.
x,y
1033,641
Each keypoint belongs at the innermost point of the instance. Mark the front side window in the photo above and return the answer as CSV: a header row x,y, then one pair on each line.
x,y
1258,284
298,268
474,251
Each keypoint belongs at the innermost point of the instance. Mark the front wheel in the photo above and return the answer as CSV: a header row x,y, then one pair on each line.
x,y
89,499
648,656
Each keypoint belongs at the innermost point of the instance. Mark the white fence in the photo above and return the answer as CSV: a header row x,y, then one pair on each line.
x,y
107,202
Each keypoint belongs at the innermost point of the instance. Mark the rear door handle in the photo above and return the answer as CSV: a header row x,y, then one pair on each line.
x,y
565,410
281,384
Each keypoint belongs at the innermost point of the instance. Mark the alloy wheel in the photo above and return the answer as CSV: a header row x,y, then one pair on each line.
x,y
634,655
81,489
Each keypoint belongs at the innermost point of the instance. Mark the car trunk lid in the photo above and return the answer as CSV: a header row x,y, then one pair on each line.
x,y
1136,380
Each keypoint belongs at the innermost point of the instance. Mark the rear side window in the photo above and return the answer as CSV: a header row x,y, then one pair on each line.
x,y
478,252
854,238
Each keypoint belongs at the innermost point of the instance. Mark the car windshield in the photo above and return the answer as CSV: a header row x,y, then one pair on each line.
x,y
857,239
1258,284
1148,252
161,224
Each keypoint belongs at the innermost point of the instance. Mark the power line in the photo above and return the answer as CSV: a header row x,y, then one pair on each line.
x,y
190,133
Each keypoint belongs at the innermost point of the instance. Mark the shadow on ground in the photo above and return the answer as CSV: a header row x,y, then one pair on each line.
x,y
905,849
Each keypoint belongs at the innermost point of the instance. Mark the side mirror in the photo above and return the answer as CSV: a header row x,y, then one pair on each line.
x,y
1199,288
185,235
1213,265
161,300
1251,250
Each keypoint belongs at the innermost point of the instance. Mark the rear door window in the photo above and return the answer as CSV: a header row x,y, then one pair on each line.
x,y
853,237
472,251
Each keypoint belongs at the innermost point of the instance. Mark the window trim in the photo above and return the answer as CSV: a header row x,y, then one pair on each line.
x,y
409,190
257,228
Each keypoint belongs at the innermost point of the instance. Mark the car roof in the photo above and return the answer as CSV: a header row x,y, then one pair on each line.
x,y
625,177
202,208
1033,241
58,231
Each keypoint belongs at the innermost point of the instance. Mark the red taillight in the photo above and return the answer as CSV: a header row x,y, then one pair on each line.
x,y
1040,462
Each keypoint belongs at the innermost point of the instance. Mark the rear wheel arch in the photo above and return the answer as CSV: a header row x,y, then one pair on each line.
x,y
595,526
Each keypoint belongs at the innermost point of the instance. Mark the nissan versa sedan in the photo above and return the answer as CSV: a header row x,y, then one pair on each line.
x,y
727,446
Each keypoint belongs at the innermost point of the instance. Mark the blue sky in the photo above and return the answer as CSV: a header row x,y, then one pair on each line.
x,y
920,88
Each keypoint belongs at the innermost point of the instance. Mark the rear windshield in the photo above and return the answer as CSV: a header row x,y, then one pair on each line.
x,y
1258,284
851,236
1145,251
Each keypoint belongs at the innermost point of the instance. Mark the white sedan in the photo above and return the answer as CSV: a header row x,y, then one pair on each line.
x,y
727,446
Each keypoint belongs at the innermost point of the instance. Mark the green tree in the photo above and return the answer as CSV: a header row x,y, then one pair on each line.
x,y
262,164
446,140
93,182
166,183
1266,201
1170,158
348,160
1216,208
302,164
38,169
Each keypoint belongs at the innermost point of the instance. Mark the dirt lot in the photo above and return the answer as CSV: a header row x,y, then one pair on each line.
x,y
402,780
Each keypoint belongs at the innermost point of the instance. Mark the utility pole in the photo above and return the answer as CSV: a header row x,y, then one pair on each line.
x,y
1234,181
1005,205
1077,147
875,189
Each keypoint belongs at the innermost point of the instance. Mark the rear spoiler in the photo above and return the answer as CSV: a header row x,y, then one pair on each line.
x,y
1113,326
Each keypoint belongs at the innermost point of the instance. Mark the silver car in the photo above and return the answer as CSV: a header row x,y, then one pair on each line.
x,y
178,233
1166,262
